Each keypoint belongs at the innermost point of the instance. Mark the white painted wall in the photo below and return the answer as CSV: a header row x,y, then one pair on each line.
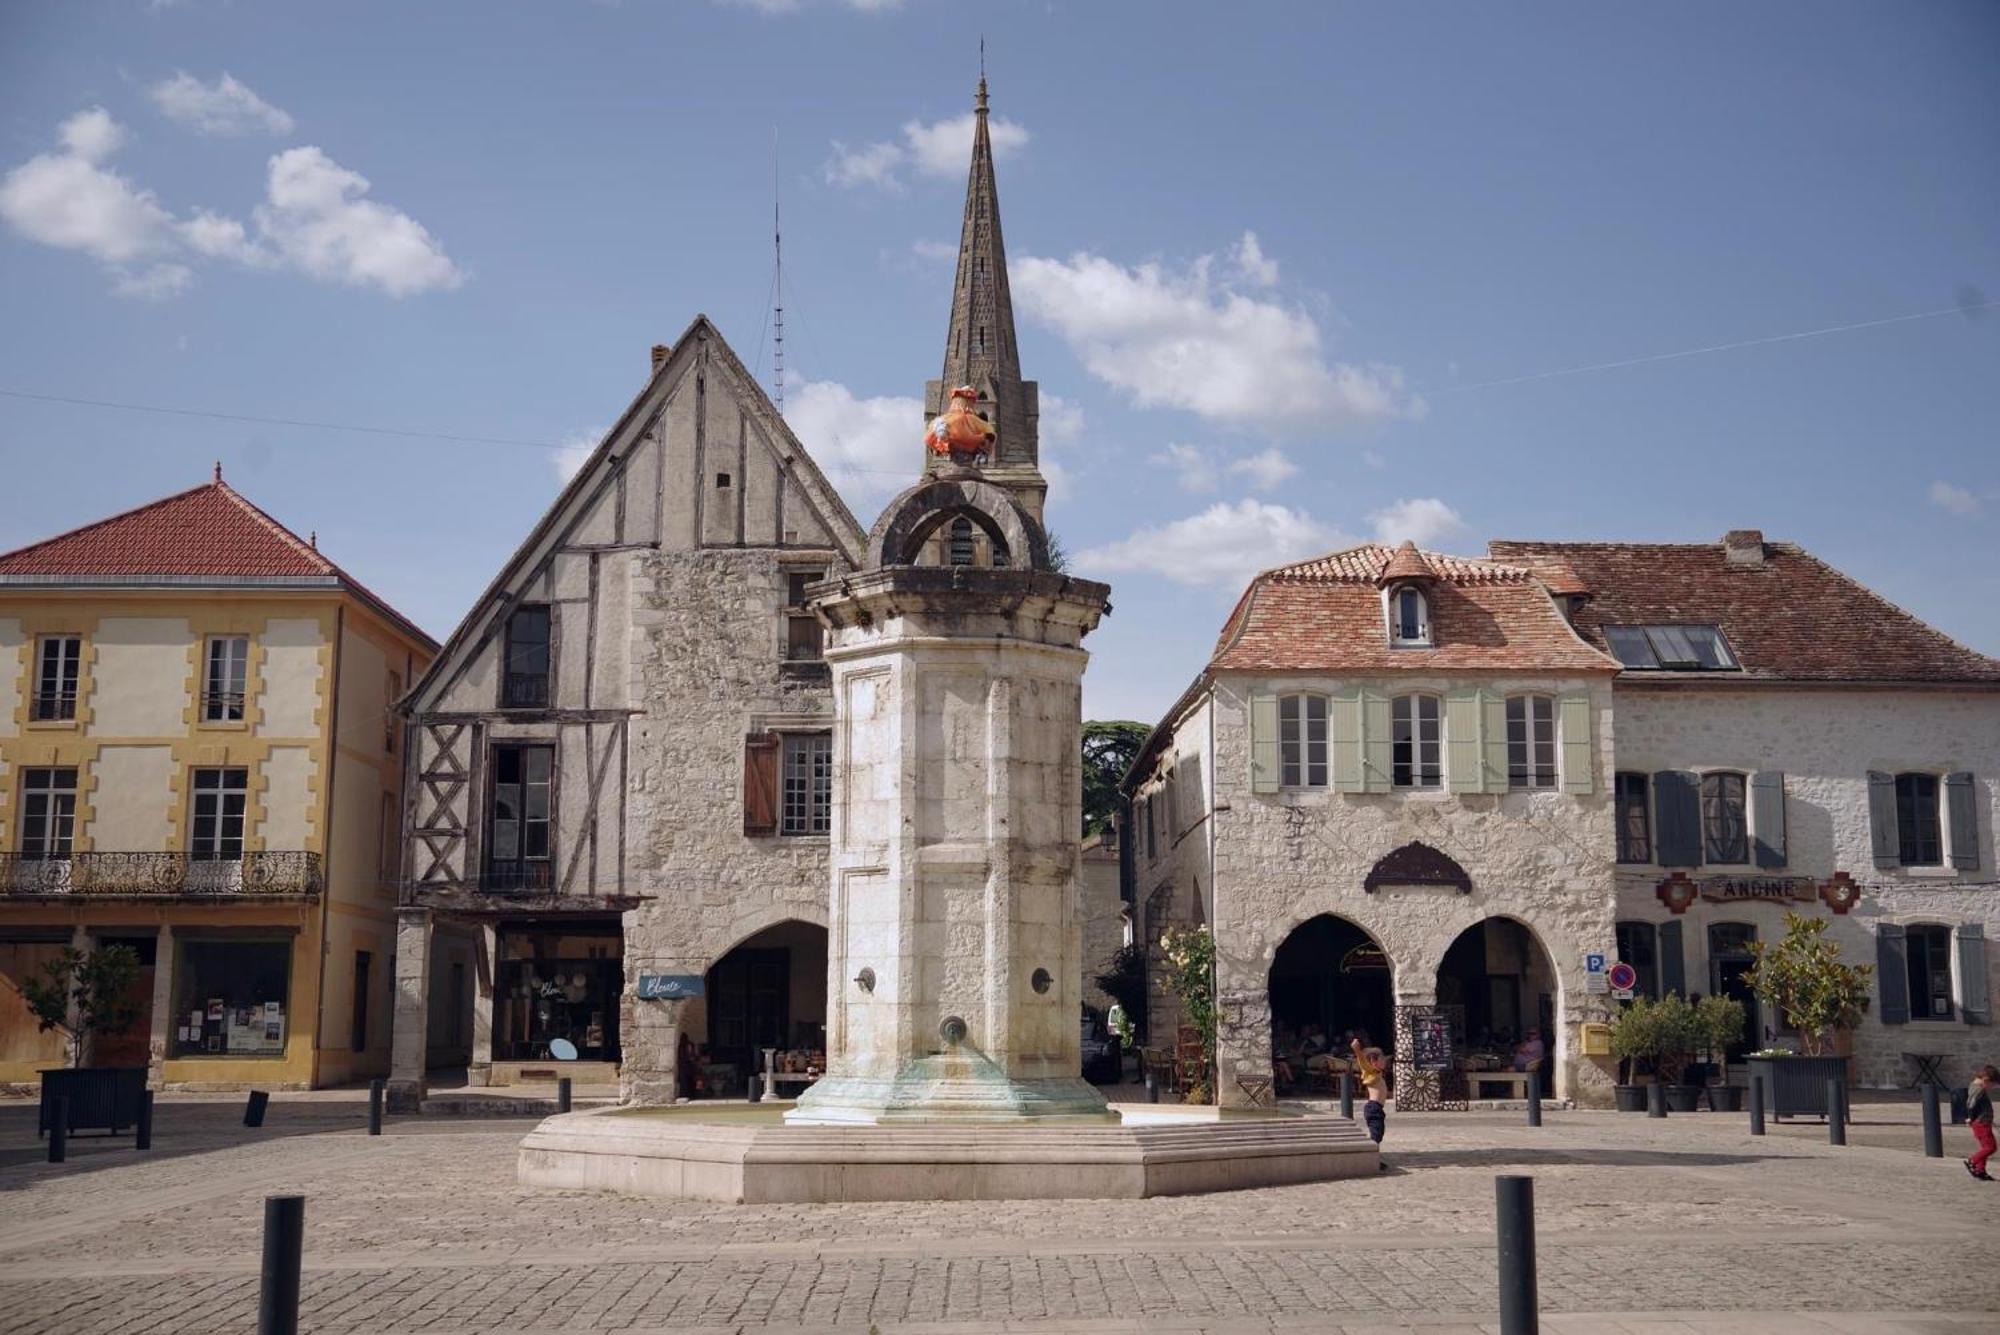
x,y
139,677
133,804
290,679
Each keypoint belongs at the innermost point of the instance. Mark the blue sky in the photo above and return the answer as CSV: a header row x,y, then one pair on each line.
x,y
1268,260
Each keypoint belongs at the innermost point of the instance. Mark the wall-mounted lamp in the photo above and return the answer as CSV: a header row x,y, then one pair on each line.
x,y
865,980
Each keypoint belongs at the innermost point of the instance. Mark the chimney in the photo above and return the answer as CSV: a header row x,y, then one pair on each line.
x,y
1743,548
660,354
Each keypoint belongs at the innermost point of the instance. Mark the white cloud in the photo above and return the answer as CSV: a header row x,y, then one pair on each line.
x,y
92,135
72,201
926,249
939,148
1265,469
1193,469
155,283
223,107
316,219
1424,520
870,448
1184,339
1061,421
575,451
1954,499
1200,470
1250,263
1224,544
1374,460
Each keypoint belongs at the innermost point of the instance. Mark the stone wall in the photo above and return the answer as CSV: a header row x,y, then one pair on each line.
x,y
1103,914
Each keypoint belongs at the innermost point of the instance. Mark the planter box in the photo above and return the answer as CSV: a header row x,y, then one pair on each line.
x,y
100,1097
1796,1086
1683,1098
1725,1098
1629,1098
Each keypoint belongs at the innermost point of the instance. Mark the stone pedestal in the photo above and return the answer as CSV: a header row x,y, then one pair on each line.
x,y
409,1044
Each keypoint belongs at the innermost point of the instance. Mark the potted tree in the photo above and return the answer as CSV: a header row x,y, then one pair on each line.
x,y
1719,1022
1635,1042
86,995
1679,1038
1803,979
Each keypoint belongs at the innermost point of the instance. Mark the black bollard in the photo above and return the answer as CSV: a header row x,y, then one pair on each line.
x,y
253,1111
58,1129
1534,1098
143,1138
563,1095
1933,1131
1347,1095
1958,1104
1756,1106
754,1091
375,1091
1656,1100
1515,1198
1836,1114
284,1241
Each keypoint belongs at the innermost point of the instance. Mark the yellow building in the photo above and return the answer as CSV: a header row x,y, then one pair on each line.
x,y
199,758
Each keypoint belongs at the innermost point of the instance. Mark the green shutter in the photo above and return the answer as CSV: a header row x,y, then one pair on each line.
x,y
1376,773
1461,742
1263,743
1962,818
1767,817
1882,818
1493,742
1892,973
1343,726
1975,1000
1575,722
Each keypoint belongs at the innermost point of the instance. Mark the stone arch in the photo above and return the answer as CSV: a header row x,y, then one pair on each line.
x,y
1322,975
767,989
1491,1015
910,520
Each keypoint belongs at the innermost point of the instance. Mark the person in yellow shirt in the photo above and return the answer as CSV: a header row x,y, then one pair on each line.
x,y
1370,1067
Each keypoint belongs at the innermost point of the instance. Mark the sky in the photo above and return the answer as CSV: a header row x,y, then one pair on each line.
x,y
1290,276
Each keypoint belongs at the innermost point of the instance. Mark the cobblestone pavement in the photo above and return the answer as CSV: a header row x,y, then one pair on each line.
x,y
1676,1226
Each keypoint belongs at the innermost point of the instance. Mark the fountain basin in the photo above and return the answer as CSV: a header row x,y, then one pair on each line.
x,y
747,1154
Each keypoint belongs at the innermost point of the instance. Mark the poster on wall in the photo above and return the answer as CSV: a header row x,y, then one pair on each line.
x,y
215,1008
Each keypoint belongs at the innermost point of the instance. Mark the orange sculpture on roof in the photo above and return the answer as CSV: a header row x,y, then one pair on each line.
x,y
960,431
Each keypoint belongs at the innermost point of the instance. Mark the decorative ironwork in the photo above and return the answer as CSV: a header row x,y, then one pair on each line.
x,y
1417,863
1427,1074
280,872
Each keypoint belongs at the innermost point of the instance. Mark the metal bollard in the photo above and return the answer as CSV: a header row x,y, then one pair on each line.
x,y
58,1129
1534,1098
1756,1106
563,1094
143,1138
1656,1100
253,1111
375,1091
1347,1095
284,1241
1933,1131
755,1090
1836,1114
1515,1201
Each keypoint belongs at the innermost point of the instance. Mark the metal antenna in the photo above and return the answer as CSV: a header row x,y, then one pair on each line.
x,y
777,286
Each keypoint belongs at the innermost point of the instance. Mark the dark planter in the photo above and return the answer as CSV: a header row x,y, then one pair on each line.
x,y
1683,1098
1796,1086
1725,1098
1629,1098
104,1098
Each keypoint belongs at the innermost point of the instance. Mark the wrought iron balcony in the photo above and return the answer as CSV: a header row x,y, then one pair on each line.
x,y
161,875
52,706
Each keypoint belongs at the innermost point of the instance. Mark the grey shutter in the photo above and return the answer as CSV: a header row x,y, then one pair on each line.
x,y
1673,970
1964,819
1882,817
1767,816
1975,1001
1677,797
1892,973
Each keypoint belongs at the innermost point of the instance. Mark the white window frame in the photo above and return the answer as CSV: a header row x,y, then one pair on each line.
x,y
54,826
1406,709
1301,755
210,784
805,784
1392,598
225,673
1531,742
63,653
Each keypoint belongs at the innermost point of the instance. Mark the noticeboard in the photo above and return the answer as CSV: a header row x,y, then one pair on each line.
x,y
1430,1043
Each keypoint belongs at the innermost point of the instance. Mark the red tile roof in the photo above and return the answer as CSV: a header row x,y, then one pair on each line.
x,y
1788,616
1406,563
1326,615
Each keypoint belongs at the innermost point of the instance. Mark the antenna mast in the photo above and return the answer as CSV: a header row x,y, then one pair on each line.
x,y
777,286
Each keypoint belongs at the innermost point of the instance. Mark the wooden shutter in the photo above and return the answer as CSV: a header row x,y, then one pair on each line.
x,y
1975,1000
1493,742
1963,819
1263,743
1677,827
1892,973
1343,726
1461,742
1882,818
1574,717
1673,967
1767,816
1376,775
760,783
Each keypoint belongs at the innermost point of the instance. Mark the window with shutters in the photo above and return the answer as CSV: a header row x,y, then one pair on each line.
x,y
807,792
1927,956
224,682
58,666
215,834
1725,826
48,811
1638,946
520,829
525,683
1919,833
1416,739
1531,741
1635,819
802,629
1302,741
1409,617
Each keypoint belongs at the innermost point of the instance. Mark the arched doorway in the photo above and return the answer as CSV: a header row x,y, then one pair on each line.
x,y
768,992
1505,983
1328,979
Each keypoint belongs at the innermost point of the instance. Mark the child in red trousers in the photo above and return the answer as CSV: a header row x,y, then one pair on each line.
x,y
1980,1114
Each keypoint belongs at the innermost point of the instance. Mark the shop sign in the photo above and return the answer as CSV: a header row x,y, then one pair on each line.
x,y
669,986
1780,889
1679,891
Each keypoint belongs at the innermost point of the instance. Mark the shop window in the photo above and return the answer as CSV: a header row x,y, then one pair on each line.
x,y
1638,946
58,665
807,790
525,684
557,984
1302,741
226,679
1725,828
1531,741
215,833
1928,967
1416,735
519,834
231,997
48,812
1635,824
1919,837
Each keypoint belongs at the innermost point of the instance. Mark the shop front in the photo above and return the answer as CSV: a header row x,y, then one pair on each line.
x,y
555,1004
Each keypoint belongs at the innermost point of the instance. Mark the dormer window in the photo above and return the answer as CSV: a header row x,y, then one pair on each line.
x,y
1409,616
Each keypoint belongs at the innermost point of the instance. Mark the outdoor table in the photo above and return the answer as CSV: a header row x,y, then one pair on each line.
x,y
1927,1071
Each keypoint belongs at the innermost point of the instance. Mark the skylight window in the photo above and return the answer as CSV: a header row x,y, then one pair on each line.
x,y
1671,648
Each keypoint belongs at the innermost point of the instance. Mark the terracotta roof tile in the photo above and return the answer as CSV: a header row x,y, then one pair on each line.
x,y
1788,616
1406,562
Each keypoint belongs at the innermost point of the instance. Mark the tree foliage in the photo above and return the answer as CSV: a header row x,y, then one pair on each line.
x,y
1108,750
85,994
1802,976
1124,981
1190,953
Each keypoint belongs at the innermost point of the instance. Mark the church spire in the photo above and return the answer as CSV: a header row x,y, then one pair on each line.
x,y
980,349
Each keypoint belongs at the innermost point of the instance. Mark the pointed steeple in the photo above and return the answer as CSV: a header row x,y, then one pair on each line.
x,y
980,348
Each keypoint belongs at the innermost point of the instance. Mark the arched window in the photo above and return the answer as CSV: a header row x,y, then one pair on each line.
x,y
1416,736
1409,616
1302,741
962,547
